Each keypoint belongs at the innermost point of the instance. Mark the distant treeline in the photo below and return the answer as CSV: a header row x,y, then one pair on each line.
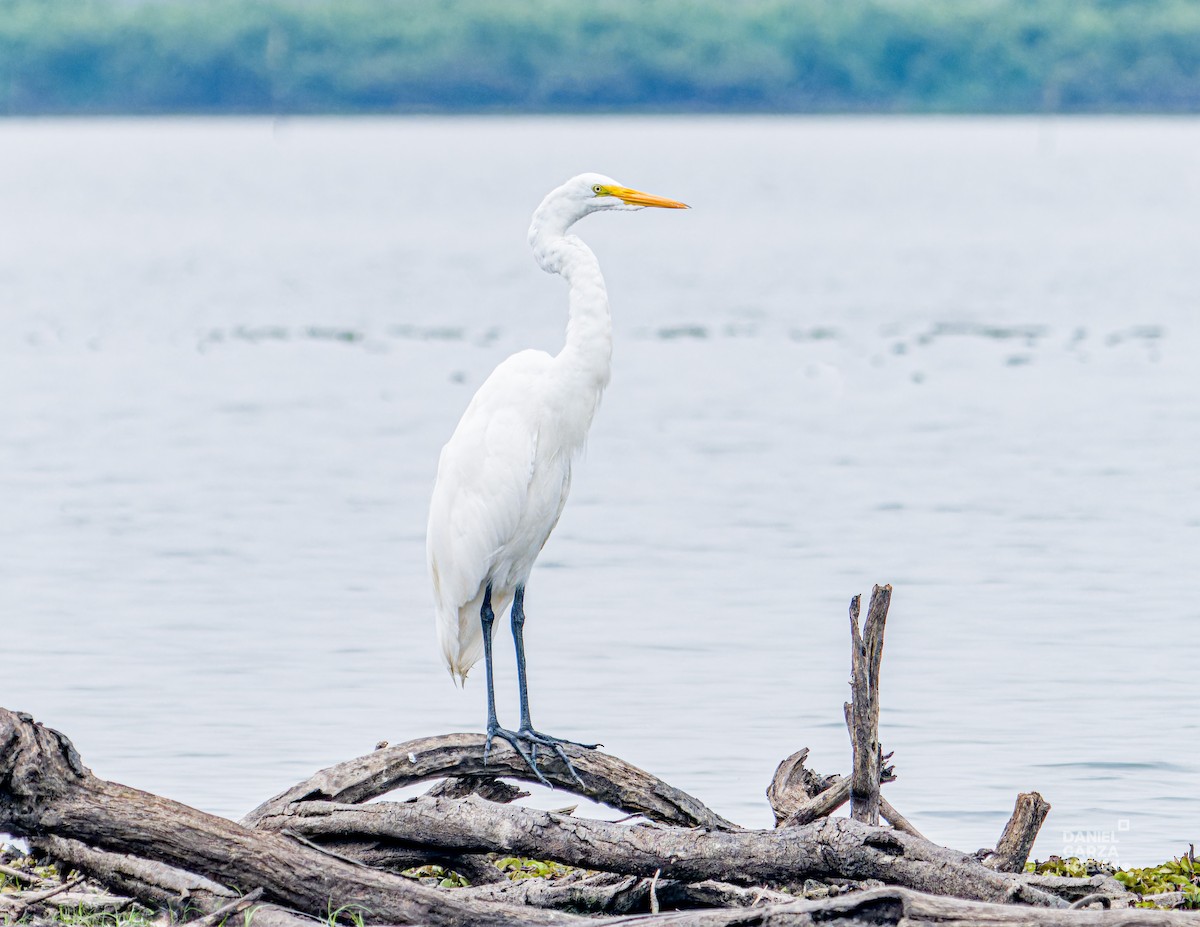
x,y
308,56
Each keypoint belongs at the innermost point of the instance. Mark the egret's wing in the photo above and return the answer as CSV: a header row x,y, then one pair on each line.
x,y
483,480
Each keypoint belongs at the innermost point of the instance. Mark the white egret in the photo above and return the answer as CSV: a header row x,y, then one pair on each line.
x,y
504,475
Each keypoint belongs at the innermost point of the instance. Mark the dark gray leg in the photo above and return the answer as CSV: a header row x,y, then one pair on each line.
x,y
527,732
518,633
486,618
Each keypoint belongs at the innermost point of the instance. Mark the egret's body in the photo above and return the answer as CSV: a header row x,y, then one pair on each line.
x,y
504,475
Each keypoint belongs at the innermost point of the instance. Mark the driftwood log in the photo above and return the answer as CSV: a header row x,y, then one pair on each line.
x,y
1022,829
327,847
862,711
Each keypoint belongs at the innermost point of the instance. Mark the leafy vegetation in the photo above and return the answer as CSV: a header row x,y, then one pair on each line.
x,y
1177,875
514,867
301,56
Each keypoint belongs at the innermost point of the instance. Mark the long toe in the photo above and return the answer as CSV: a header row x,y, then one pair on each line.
x,y
515,740
537,738
548,740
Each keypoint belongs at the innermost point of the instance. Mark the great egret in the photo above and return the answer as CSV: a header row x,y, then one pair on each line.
x,y
504,475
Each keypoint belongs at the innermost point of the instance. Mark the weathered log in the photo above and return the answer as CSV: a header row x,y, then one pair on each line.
x,y
830,847
478,868
1019,834
156,885
863,708
49,791
607,779
899,907
611,893
1072,888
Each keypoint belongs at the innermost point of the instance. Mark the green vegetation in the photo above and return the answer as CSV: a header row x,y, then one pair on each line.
x,y
305,56
1177,875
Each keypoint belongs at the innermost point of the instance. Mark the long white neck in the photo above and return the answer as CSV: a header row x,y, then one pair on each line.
x,y
585,361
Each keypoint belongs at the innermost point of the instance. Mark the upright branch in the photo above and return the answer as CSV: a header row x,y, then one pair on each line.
x,y
1019,833
863,709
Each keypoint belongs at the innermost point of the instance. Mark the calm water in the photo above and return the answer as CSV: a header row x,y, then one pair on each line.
x,y
957,356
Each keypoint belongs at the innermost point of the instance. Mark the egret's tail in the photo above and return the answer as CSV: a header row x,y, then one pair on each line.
x,y
460,632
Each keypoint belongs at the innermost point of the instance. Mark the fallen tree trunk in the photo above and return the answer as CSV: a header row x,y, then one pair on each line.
x,y
830,847
48,791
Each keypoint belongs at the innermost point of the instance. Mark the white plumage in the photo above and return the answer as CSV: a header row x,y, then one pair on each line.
x,y
504,475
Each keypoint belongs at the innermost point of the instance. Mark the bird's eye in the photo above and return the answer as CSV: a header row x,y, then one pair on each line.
x,y
597,189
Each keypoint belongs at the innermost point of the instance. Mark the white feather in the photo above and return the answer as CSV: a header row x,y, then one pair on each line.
x,y
504,475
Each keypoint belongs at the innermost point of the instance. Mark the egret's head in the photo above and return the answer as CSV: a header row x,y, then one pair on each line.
x,y
583,195
593,192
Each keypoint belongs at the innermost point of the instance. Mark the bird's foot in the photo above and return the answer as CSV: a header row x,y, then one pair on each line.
x,y
534,739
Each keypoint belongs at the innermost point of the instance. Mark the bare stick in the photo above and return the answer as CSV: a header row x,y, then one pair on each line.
x,y
21,876
1019,833
896,819
234,907
866,656
24,901
820,805
898,907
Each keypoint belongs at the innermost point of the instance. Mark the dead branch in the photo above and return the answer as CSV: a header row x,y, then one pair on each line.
x,y
234,907
1019,833
607,779
899,907
799,795
16,905
863,708
611,893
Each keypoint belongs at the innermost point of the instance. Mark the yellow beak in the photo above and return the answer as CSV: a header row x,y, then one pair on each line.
x,y
638,198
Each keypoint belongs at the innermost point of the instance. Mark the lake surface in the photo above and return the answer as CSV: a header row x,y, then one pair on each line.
x,y
954,355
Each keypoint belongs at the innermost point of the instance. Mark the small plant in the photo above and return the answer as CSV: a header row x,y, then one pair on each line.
x,y
1177,875
350,913
444,878
518,867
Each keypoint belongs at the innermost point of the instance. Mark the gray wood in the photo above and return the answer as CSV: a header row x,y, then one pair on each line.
x,y
899,907
49,791
794,785
799,795
612,893
863,709
1020,832
829,847
156,885
607,779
